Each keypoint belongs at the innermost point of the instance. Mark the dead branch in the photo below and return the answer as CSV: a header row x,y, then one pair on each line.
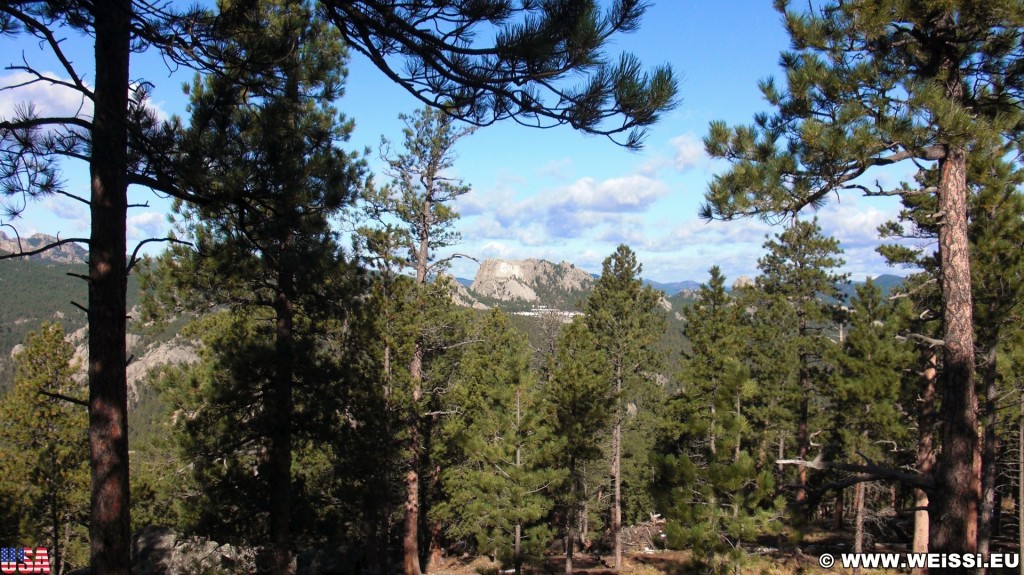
x,y
865,473
63,397
135,253
932,342
917,289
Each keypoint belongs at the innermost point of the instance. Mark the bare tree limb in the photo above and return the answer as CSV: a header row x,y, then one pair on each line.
x,y
134,259
63,397
932,342
868,472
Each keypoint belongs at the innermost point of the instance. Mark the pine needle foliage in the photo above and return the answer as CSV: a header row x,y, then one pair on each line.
x,y
496,482
46,485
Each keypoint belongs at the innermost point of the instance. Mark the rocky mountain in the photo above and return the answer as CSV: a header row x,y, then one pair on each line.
x,y
69,253
531,283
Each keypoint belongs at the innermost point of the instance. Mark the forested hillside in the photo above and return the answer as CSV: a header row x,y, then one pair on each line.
x,y
294,382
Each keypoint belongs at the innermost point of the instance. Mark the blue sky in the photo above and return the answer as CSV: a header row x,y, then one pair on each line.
x,y
553,194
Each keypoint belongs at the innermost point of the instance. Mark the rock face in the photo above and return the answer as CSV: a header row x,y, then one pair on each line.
x,y
178,351
66,253
159,551
529,280
462,297
742,282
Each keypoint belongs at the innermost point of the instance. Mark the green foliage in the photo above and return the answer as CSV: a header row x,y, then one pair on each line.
x,y
864,89
713,491
221,426
412,216
868,394
627,322
579,398
47,483
495,478
262,152
524,70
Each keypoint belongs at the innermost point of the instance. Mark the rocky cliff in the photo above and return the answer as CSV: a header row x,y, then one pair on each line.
x,y
70,253
532,281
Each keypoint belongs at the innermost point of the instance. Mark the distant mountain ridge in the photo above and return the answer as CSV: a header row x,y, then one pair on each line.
x,y
69,253
522,285
535,281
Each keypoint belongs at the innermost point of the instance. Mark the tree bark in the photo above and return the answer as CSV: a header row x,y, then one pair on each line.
x,y
837,513
281,409
573,508
617,469
955,501
989,453
925,449
109,521
858,537
410,543
410,539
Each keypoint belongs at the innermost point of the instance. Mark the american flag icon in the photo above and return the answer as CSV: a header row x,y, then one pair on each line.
x,y
20,560
11,558
12,555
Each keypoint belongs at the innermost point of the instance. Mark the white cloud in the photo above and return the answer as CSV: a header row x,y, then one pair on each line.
x,y
571,211
559,169
689,152
686,152
46,98
146,225
67,210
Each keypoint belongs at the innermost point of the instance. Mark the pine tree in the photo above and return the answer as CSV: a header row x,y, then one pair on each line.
x,y
625,320
871,84
867,396
495,481
714,492
799,280
419,199
262,145
995,234
45,431
579,397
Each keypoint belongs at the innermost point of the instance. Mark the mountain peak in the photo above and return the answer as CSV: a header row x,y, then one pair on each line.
x,y
529,280
70,253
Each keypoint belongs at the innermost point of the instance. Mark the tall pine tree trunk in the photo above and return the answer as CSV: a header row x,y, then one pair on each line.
x,y
410,538
617,468
410,542
109,522
410,535
573,509
858,536
803,440
925,449
281,408
955,505
989,453
517,543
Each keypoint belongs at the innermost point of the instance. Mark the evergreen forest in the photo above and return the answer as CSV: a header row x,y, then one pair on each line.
x,y
344,414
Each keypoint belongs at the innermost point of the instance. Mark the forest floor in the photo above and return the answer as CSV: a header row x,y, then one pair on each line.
x,y
784,559
663,562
